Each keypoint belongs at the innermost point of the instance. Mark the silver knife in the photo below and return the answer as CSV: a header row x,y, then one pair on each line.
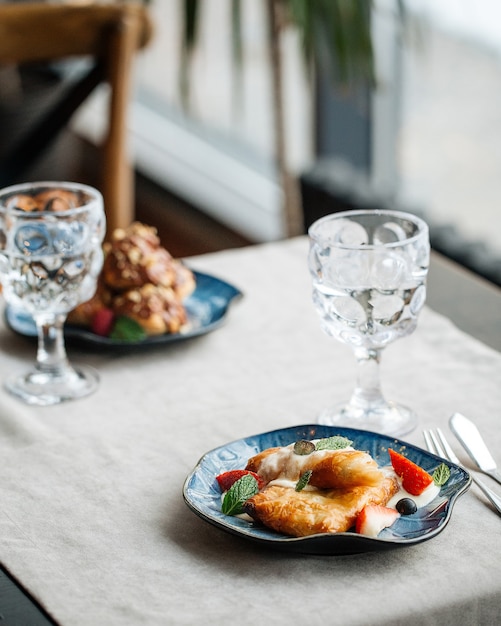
x,y
471,440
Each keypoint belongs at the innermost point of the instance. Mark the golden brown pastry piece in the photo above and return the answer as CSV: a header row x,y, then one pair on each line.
x,y
23,202
140,280
330,468
157,309
57,200
304,513
134,258
342,482
184,280
84,313
48,200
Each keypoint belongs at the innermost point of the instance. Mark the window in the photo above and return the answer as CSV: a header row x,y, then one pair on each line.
x,y
220,156
450,139
431,131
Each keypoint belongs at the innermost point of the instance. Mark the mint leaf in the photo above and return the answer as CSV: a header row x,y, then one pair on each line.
x,y
441,475
304,479
304,447
241,490
333,443
128,330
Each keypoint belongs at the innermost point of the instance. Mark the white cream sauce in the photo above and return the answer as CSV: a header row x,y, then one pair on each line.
x,y
286,465
429,494
290,484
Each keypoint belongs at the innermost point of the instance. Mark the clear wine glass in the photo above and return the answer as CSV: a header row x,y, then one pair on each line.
x,y
51,237
369,270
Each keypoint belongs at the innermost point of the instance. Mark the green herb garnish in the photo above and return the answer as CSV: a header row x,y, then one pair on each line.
x,y
304,479
337,442
303,447
241,490
441,475
128,330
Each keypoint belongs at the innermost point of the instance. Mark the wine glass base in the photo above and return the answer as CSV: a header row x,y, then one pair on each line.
x,y
387,419
44,389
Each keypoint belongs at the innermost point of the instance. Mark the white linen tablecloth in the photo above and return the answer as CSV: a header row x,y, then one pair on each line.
x,y
92,518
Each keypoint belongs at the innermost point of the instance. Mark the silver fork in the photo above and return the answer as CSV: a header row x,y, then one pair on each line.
x,y
437,444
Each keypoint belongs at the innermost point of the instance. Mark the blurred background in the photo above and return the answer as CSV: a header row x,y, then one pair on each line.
x,y
425,137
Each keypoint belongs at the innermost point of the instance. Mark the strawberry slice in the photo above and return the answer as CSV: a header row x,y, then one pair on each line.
x,y
102,322
414,478
373,518
226,479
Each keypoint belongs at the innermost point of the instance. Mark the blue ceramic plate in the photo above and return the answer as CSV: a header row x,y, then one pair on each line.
x,y
202,494
206,307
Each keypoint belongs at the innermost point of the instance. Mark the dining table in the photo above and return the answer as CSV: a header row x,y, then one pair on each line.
x,y
95,528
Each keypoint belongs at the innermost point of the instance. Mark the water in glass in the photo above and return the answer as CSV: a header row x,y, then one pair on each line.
x,y
369,273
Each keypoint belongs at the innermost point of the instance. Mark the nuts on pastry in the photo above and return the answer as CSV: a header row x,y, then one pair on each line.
x,y
140,280
157,309
57,200
48,200
23,202
134,257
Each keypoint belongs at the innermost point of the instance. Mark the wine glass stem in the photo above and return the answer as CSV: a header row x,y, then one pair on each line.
x,y
367,392
51,353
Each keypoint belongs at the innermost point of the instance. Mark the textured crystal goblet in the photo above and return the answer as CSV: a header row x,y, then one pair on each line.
x,y
51,237
369,270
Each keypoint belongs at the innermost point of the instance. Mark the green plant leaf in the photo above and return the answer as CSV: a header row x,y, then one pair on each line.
x,y
304,479
332,32
241,490
441,475
337,442
336,33
127,330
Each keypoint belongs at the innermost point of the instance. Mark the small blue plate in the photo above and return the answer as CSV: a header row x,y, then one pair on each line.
x,y
203,496
206,308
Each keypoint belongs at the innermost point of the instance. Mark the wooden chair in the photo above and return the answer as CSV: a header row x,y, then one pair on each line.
x,y
108,35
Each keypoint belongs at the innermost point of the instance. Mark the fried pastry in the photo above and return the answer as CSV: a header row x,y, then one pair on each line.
x,y
309,512
330,468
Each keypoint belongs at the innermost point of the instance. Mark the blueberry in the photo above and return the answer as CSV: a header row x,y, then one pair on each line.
x,y
406,506
303,447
